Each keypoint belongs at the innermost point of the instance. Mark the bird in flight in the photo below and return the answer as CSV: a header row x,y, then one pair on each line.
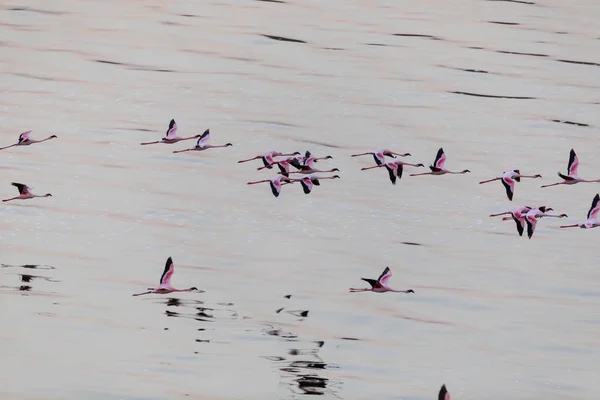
x,y
165,282
380,285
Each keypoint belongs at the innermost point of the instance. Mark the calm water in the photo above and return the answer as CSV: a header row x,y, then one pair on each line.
x,y
494,315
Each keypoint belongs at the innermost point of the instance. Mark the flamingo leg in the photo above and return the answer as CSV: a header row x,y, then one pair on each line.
x,y
570,226
490,180
423,173
554,184
181,151
374,166
7,147
143,144
143,293
250,159
14,198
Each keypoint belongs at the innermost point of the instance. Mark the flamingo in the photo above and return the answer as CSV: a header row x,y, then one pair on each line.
x,y
307,182
165,282
381,284
508,179
532,216
379,155
202,143
439,166
25,140
592,216
518,215
443,394
25,193
267,158
275,183
394,168
171,136
571,178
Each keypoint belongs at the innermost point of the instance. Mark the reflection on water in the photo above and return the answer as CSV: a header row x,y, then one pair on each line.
x,y
27,279
301,368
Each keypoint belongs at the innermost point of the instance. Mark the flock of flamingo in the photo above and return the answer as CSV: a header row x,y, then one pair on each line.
x,y
523,216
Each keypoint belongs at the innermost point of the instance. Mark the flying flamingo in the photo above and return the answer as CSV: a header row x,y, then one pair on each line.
x,y
532,216
25,193
171,136
394,168
439,166
443,394
381,284
267,158
508,179
25,140
571,178
202,143
379,155
517,215
275,183
165,282
307,182
592,216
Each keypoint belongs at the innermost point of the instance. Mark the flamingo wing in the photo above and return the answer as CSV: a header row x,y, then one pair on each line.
x,y
23,189
284,167
519,222
443,394
392,174
372,282
385,276
440,159
573,163
165,279
516,175
23,137
595,208
203,139
275,187
378,157
172,131
509,185
399,172
531,221
307,185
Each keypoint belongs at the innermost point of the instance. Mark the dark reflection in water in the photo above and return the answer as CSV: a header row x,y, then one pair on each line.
x,y
302,369
27,279
195,310
28,266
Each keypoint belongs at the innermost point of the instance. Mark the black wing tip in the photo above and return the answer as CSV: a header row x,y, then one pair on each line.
x,y
443,392
169,260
